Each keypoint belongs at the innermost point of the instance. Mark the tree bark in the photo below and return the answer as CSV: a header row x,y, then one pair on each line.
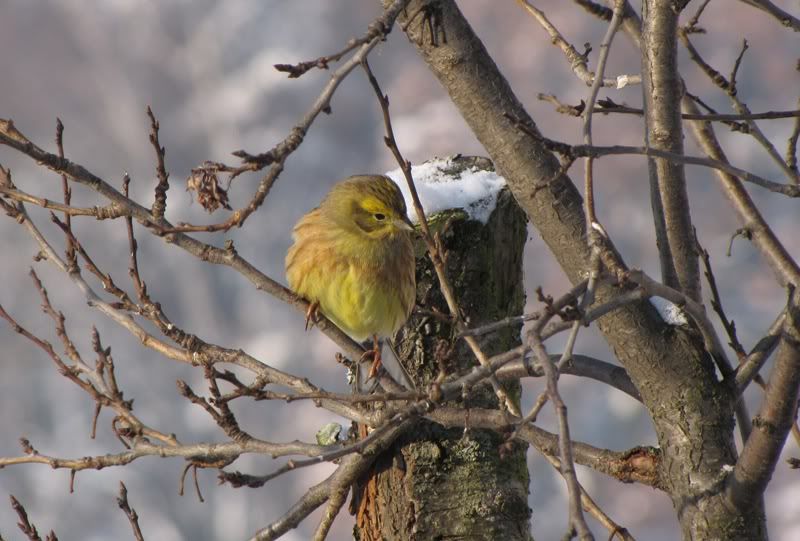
x,y
440,483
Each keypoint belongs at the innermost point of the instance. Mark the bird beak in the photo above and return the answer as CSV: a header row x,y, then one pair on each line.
x,y
404,224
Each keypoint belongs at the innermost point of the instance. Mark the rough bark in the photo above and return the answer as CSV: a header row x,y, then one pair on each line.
x,y
691,410
440,483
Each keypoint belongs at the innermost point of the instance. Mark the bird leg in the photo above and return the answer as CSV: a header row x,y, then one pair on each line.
x,y
375,353
312,314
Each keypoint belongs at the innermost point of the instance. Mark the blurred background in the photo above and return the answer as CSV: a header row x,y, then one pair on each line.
x,y
205,67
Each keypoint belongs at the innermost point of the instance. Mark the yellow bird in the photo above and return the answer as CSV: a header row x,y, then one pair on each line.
x,y
353,259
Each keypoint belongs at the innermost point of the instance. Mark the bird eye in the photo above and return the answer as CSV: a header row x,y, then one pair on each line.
x,y
379,216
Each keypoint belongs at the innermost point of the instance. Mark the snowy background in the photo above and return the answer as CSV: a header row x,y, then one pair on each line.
x,y
206,69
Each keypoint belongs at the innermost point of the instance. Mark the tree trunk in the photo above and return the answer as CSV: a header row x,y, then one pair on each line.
x,y
438,483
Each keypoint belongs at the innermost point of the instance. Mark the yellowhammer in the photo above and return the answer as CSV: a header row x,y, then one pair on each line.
x,y
352,258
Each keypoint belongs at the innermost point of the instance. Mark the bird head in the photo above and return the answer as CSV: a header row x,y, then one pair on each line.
x,y
370,204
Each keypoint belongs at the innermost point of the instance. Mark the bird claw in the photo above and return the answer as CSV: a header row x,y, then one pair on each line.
x,y
375,353
312,314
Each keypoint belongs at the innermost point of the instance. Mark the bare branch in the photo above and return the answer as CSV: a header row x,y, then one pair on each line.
x,y
69,254
350,469
133,518
635,465
578,365
742,415
582,151
111,211
614,529
607,106
776,254
25,524
786,19
160,202
577,61
791,144
595,236
198,452
379,28
716,304
691,26
662,84
599,11
729,87
775,418
576,518
749,367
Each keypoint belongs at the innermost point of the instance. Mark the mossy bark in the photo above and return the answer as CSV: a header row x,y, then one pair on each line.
x,y
438,483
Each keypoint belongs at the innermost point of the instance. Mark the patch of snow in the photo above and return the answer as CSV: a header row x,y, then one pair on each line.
x,y
669,312
473,190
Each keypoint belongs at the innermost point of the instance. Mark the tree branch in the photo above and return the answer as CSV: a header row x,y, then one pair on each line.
x,y
775,418
662,94
581,151
228,256
749,367
577,61
786,19
350,469
635,465
133,517
729,87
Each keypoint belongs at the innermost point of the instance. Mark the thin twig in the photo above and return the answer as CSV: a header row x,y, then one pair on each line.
x,y
607,106
742,415
133,517
578,62
785,19
25,524
160,201
576,519
716,304
350,469
377,29
582,151
791,143
69,254
729,87
691,26
110,211
614,529
748,369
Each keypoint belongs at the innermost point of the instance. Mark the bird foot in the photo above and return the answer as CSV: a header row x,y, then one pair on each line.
x,y
312,314
375,354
